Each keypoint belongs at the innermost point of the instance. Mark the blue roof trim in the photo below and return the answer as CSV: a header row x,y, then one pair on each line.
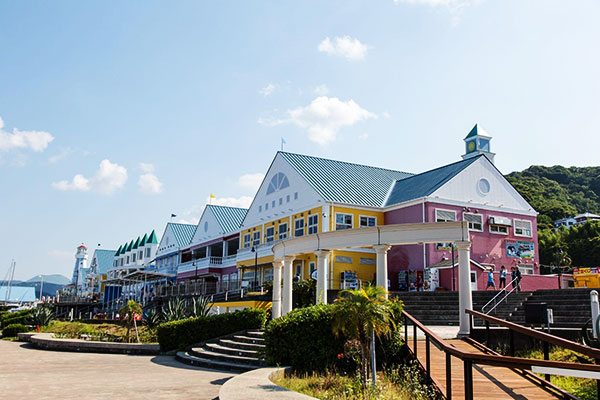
x,y
426,183
344,182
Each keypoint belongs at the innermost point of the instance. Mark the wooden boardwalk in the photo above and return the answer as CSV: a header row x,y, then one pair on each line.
x,y
489,382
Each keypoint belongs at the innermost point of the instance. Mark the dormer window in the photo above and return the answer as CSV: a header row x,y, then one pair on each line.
x,y
278,182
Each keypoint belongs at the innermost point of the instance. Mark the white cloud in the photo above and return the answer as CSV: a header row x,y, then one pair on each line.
x,y
149,184
109,178
35,140
63,153
268,90
324,117
455,7
242,201
321,90
251,181
364,136
344,46
145,167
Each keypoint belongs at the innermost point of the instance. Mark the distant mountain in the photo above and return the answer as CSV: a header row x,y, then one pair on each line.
x,y
558,192
55,279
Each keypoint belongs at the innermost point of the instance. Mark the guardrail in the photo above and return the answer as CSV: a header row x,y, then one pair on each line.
x,y
493,299
470,359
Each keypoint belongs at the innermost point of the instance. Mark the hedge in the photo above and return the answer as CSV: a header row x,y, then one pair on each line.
x,y
180,334
13,329
20,317
304,340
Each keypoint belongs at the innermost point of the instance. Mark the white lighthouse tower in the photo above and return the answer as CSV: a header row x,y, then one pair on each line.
x,y
80,262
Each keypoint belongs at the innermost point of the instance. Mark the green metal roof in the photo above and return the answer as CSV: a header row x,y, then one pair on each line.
x,y
424,184
344,182
130,246
137,243
183,233
105,259
118,251
143,242
152,238
228,218
477,131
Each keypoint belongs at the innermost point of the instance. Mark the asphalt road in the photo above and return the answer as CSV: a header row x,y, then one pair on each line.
x,y
27,373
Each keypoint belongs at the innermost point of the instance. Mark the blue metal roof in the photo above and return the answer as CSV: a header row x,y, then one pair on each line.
x,y
183,233
105,259
425,183
228,218
343,182
18,293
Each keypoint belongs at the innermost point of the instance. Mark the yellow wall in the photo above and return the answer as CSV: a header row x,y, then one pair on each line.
x,y
587,280
356,213
365,272
225,306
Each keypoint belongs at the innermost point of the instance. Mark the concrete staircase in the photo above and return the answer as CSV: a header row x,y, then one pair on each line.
x,y
441,308
571,307
239,352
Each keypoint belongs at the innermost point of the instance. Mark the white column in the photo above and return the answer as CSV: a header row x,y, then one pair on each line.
x,y
322,257
286,304
465,299
277,264
382,271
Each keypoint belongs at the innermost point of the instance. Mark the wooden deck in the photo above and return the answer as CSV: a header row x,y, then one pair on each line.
x,y
489,382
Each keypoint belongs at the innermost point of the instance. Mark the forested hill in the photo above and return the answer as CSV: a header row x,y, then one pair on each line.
x,y
558,192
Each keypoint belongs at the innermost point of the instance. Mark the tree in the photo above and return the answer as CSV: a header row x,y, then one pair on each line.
x,y
361,313
129,311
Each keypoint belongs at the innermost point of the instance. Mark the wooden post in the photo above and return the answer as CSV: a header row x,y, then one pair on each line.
x,y
546,357
406,330
487,333
468,377
427,359
448,376
415,339
511,343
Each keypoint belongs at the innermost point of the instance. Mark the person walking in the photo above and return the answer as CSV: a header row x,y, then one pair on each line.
x,y
502,278
518,275
513,276
490,282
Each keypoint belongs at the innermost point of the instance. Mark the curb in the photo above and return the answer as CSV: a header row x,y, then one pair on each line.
x,y
45,341
257,385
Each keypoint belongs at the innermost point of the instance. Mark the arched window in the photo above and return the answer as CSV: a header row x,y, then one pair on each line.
x,y
278,182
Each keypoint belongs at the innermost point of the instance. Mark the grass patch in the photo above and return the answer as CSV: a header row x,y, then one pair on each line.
x,y
400,383
585,389
104,332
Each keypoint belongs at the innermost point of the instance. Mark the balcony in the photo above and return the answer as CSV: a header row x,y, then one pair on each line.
x,y
206,263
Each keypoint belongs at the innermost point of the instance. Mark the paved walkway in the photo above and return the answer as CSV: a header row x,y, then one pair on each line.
x,y
37,374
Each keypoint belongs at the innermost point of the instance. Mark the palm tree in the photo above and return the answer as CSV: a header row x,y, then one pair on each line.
x,y
129,311
360,314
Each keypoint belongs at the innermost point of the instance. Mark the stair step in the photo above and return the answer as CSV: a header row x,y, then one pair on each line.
x,y
205,353
189,359
248,339
240,345
217,348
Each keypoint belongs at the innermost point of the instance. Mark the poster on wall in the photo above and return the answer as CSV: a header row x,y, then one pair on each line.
x,y
520,249
443,246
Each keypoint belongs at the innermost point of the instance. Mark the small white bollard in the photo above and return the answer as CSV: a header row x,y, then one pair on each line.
x,y
595,312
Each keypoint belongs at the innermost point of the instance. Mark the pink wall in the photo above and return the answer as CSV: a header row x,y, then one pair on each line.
x,y
486,248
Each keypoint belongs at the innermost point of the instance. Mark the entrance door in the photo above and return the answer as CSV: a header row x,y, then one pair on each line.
x,y
473,280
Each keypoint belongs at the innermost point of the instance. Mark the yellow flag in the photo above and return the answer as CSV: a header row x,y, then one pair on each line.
x,y
212,196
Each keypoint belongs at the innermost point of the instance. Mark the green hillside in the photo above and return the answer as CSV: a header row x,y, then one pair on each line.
x,y
558,192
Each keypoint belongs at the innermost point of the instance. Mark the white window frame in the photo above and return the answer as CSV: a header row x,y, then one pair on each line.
x,y
526,269
312,267
247,239
469,223
345,224
368,217
147,253
314,226
285,231
499,226
270,237
296,267
515,221
297,229
255,238
444,220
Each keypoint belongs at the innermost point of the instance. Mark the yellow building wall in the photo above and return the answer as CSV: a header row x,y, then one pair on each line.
x,y
356,213
237,305
364,272
587,280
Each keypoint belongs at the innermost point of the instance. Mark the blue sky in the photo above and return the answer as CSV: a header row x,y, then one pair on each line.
x,y
115,115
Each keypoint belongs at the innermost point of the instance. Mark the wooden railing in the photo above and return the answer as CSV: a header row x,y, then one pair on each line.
x,y
469,359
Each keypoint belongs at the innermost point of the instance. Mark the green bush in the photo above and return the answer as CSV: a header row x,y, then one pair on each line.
x,y
304,340
20,317
180,334
13,329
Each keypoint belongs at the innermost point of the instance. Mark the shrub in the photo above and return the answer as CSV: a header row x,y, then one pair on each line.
x,y
304,340
12,330
180,334
41,316
20,317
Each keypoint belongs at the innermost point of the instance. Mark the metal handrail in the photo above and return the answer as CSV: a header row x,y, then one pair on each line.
x,y
498,294
469,358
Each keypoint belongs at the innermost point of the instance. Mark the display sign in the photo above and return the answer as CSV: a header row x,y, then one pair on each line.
x,y
444,246
432,279
520,249
577,271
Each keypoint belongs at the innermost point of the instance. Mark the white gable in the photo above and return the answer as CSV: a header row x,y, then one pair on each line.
x,y
208,228
481,183
274,187
167,244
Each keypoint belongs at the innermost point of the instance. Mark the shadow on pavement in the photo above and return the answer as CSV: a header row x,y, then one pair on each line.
x,y
170,361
